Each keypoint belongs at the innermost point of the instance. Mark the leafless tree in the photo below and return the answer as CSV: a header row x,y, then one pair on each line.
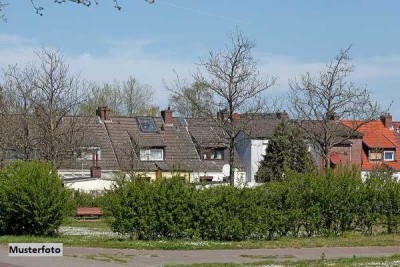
x,y
86,3
185,108
2,6
18,106
234,84
318,100
43,99
127,98
137,98
39,9
107,94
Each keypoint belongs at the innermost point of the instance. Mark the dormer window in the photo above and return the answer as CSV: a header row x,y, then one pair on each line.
x,y
152,154
213,153
87,153
388,155
375,155
147,125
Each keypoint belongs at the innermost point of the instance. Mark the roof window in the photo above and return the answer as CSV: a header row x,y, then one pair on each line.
x,y
147,125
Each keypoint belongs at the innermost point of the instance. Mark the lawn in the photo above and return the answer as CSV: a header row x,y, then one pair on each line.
x,y
392,261
106,241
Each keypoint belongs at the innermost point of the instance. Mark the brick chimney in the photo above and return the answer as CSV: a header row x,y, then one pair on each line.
x,y
282,115
104,113
167,117
95,169
222,115
387,120
236,116
333,116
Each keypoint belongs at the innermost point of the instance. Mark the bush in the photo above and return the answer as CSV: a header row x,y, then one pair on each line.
x,y
32,199
307,204
82,199
147,210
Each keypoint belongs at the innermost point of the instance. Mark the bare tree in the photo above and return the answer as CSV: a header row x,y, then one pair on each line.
x,y
234,84
86,3
137,98
185,108
107,94
317,101
123,98
43,100
39,9
2,6
18,105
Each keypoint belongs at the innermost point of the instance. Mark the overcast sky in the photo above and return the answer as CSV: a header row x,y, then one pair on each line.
x,y
150,42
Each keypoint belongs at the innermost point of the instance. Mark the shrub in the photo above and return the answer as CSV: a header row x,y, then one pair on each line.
x,y
82,199
303,204
33,200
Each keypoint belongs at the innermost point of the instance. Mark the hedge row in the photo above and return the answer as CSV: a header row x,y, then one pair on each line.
x,y
302,205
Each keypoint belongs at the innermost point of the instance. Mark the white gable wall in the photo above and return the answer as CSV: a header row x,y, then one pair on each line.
x,y
251,152
258,148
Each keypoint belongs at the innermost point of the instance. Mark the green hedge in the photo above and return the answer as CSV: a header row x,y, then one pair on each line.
x,y
308,204
32,199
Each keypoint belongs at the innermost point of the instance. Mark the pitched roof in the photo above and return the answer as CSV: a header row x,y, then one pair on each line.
x,y
259,126
340,132
376,136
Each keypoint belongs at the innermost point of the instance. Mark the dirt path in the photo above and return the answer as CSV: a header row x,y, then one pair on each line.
x,y
129,257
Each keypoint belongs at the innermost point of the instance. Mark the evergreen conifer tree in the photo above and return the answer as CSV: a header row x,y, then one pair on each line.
x,y
286,150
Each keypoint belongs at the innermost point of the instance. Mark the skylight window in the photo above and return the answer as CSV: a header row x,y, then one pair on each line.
x,y
147,125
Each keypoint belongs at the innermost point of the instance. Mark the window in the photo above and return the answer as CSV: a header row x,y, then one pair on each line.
x,y
86,153
206,178
389,155
152,154
216,153
147,125
375,155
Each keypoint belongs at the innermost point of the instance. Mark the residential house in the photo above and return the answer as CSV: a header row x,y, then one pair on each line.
x,y
253,140
346,142
379,144
150,146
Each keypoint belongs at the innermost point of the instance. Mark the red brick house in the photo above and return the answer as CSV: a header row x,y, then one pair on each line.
x,y
379,143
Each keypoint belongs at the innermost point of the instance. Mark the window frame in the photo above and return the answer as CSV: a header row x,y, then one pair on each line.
x,y
208,154
87,153
147,152
153,127
371,152
387,152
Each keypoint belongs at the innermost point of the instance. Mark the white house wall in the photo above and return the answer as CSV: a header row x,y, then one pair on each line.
x,y
258,148
88,186
244,150
364,175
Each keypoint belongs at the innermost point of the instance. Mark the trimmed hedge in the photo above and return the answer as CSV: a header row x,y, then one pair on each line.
x,y
308,204
32,199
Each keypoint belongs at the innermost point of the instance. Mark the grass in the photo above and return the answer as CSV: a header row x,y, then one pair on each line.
x,y
392,261
349,240
97,224
111,258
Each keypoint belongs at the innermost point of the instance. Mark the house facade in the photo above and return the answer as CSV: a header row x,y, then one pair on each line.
x,y
149,146
252,142
380,144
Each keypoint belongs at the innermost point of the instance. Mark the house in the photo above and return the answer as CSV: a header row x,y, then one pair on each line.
x,y
150,146
253,140
379,144
346,142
